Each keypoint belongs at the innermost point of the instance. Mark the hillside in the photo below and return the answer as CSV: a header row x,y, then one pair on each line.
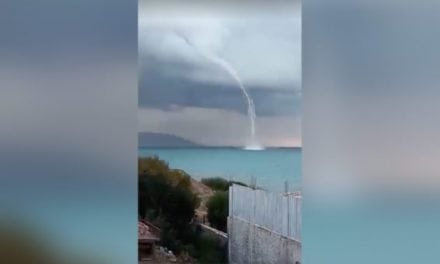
x,y
148,139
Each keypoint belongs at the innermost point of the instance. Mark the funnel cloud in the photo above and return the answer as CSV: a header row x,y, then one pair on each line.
x,y
253,142
192,59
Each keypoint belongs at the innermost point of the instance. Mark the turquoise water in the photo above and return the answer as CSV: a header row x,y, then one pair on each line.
x,y
272,167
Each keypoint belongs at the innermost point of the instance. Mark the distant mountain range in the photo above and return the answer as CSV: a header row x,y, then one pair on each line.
x,y
160,140
148,139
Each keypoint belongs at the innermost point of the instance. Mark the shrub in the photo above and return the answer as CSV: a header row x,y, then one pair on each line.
x,y
165,197
238,183
208,251
218,209
178,207
216,183
219,184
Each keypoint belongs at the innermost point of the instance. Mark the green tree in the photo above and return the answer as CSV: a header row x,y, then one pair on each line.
x,y
220,184
218,209
165,198
216,183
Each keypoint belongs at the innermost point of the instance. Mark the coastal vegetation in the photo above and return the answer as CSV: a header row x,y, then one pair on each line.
x,y
218,204
167,199
218,209
219,184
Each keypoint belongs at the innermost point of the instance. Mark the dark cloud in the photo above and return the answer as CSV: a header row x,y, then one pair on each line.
x,y
191,65
157,89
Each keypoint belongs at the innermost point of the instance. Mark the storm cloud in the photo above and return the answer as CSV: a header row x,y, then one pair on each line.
x,y
264,49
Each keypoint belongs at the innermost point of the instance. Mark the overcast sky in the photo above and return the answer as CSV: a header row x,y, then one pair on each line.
x,y
183,93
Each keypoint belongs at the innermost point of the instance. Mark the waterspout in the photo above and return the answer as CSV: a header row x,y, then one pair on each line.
x,y
253,144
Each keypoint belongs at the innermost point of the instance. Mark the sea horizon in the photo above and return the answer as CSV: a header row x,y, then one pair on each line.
x,y
218,147
271,167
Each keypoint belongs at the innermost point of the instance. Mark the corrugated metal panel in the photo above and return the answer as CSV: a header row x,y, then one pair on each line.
x,y
278,212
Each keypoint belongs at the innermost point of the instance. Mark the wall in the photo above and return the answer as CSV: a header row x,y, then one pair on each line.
x,y
263,227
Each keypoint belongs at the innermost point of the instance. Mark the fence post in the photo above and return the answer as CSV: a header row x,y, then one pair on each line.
x,y
254,203
287,196
230,220
297,217
250,237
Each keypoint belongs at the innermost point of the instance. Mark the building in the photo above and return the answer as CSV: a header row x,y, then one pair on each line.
x,y
148,236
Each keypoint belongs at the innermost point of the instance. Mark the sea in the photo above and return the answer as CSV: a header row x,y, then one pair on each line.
x,y
271,167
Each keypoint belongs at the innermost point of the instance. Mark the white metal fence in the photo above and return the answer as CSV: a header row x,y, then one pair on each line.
x,y
264,227
277,212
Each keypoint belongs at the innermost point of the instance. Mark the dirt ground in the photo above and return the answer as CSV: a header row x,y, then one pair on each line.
x,y
204,193
162,258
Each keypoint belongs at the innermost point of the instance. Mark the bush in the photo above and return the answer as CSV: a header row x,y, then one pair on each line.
x,y
153,167
165,198
238,183
219,184
209,252
178,207
218,209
